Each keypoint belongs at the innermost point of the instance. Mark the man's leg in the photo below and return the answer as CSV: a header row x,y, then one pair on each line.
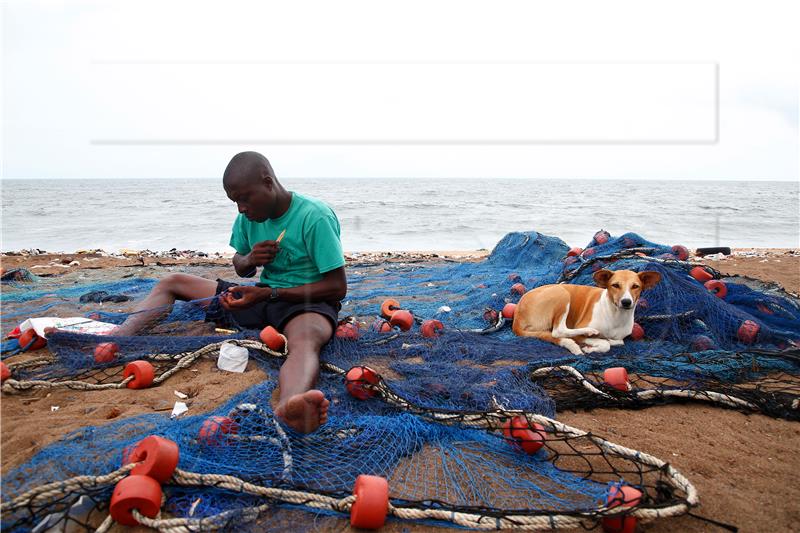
x,y
159,301
300,406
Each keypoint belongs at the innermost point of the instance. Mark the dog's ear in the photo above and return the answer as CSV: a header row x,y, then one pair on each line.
x,y
649,279
601,277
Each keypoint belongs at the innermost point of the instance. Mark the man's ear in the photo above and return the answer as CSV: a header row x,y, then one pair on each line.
x,y
267,180
601,277
649,279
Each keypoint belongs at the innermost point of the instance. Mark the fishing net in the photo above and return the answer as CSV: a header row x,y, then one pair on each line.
x,y
435,427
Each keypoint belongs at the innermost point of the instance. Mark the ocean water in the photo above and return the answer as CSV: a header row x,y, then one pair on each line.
x,y
403,214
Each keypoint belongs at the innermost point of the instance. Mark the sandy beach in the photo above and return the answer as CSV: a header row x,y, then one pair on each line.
x,y
743,465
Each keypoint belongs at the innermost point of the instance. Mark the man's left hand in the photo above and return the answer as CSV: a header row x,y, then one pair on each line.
x,y
242,296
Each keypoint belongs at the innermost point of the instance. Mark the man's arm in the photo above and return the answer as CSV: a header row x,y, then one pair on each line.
x,y
262,254
332,287
243,267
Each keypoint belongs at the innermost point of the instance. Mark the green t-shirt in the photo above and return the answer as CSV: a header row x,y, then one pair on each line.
x,y
310,247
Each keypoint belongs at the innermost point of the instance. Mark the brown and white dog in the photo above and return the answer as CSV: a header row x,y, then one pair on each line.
x,y
574,315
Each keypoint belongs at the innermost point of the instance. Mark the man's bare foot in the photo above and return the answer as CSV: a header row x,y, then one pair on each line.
x,y
304,412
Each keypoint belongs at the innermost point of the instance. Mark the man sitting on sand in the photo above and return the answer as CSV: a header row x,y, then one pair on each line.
x,y
295,239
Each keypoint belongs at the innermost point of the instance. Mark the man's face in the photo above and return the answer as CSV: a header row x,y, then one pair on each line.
x,y
255,199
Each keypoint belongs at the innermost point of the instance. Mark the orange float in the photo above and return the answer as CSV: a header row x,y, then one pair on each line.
x,y
402,319
5,373
624,496
358,378
143,374
158,457
272,338
617,378
509,310
29,340
522,435
105,352
518,288
372,502
431,328
142,493
701,274
388,307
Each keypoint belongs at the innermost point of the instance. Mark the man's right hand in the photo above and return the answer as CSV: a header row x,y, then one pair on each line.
x,y
263,253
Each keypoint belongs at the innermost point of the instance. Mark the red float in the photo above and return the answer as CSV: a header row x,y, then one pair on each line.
x,y
701,343
105,352
701,274
143,374
30,341
522,435
625,496
617,378
142,493
491,316
214,430
509,310
381,326
514,277
602,236
402,319
717,288
681,252
5,373
357,380
432,328
348,330
588,252
388,307
574,252
518,288
272,338
158,457
637,333
748,332
372,502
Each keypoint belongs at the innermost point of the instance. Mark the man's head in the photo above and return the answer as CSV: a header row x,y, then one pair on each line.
x,y
250,182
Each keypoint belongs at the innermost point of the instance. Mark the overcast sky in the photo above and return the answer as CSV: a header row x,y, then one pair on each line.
x,y
685,90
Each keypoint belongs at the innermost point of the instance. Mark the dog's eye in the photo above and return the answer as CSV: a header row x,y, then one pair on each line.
x,y
615,285
634,286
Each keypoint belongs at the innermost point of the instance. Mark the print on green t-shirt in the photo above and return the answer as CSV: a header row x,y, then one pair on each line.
x,y
310,247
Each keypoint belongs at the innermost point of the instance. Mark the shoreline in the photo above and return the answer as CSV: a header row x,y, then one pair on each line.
x,y
772,265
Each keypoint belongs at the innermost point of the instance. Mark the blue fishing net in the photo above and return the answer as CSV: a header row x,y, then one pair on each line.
x,y
693,341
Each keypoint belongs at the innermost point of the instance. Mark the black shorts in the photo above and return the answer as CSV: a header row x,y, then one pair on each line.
x,y
269,313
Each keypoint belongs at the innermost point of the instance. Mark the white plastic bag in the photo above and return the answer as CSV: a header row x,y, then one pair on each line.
x,y
232,358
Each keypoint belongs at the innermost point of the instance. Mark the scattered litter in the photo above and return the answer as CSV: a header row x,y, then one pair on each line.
x,y
194,506
54,408
444,309
178,410
181,395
